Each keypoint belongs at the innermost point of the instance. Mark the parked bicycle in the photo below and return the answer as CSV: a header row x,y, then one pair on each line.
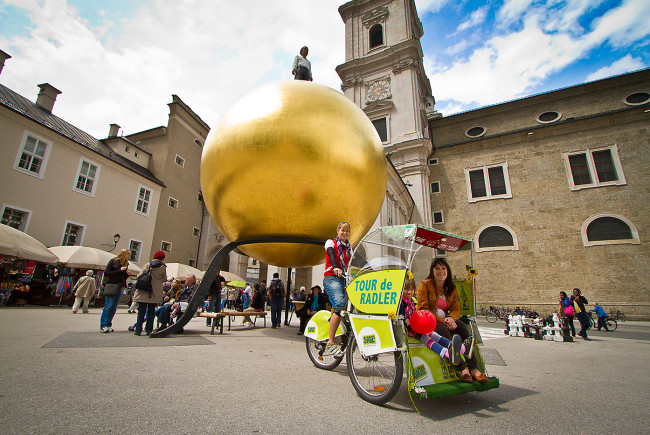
x,y
618,315
496,313
610,322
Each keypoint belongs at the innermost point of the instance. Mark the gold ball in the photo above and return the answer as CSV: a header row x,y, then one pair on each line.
x,y
292,158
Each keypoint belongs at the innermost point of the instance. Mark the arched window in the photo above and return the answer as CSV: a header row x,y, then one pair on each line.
x,y
376,34
496,237
609,230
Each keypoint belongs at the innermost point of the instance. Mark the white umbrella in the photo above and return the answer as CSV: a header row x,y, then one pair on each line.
x,y
229,276
87,258
15,243
180,271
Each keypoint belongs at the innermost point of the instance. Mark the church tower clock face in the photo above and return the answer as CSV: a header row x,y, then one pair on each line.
x,y
379,90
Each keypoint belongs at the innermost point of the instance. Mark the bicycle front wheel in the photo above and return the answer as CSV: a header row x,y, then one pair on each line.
x,y
611,324
319,356
621,317
376,378
491,317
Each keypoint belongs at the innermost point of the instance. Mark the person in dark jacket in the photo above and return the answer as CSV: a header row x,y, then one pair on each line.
x,y
116,272
579,302
146,300
315,302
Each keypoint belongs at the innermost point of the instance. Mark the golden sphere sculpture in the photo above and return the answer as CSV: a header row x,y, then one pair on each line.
x,y
292,158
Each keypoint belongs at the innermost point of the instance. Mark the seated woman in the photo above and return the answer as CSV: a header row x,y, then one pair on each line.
x,y
315,302
450,350
257,304
438,294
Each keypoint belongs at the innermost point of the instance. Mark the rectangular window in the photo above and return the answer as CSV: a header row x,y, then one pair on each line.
x,y
437,217
435,187
73,234
135,246
87,175
32,155
440,253
180,161
488,182
173,203
433,161
126,148
15,217
382,128
196,232
143,201
594,168
191,262
135,154
166,246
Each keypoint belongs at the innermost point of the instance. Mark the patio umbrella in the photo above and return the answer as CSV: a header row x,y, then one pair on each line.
x,y
229,276
15,243
236,284
87,258
179,270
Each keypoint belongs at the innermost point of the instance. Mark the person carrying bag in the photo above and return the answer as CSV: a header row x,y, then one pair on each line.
x,y
115,274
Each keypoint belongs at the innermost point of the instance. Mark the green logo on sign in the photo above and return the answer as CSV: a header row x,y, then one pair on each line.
x,y
311,330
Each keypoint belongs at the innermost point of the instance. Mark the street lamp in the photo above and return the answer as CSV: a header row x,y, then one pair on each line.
x,y
116,238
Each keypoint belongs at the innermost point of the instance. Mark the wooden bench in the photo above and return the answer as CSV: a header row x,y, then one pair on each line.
x,y
220,316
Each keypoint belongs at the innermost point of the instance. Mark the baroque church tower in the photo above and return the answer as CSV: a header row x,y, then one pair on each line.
x,y
383,73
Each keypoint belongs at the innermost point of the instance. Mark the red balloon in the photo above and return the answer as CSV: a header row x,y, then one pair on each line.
x,y
423,322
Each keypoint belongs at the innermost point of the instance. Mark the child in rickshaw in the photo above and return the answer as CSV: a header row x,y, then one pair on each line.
x,y
451,350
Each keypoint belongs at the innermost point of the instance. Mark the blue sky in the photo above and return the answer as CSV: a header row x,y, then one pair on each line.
x,y
119,61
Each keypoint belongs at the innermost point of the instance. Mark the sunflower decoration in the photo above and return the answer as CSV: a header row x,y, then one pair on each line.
x,y
392,315
471,273
409,274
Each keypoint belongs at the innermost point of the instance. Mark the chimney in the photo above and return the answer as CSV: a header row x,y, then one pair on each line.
x,y
3,56
114,130
47,96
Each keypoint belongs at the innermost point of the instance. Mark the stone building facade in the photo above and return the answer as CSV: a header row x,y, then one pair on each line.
x,y
553,189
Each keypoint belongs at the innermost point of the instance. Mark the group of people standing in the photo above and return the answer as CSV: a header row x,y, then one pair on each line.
x,y
574,306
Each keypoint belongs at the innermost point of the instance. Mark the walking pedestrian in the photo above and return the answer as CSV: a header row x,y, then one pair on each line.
x,y
602,315
117,271
83,290
276,294
579,302
147,300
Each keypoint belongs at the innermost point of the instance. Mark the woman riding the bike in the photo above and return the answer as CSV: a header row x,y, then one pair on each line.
x,y
337,258
438,294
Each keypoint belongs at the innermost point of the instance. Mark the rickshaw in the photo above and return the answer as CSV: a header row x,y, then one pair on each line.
x,y
374,339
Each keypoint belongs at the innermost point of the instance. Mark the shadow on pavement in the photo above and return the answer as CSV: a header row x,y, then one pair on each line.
x,y
73,339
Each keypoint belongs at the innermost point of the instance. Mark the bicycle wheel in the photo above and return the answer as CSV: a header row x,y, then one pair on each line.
x,y
376,378
611,324
491,317
318,356
594,323
620,317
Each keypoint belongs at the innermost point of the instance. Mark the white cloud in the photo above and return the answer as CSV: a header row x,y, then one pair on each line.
x,y
623,65
125,72
512,10
475,18
623,25
462,45
505,67
510,65
429,5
